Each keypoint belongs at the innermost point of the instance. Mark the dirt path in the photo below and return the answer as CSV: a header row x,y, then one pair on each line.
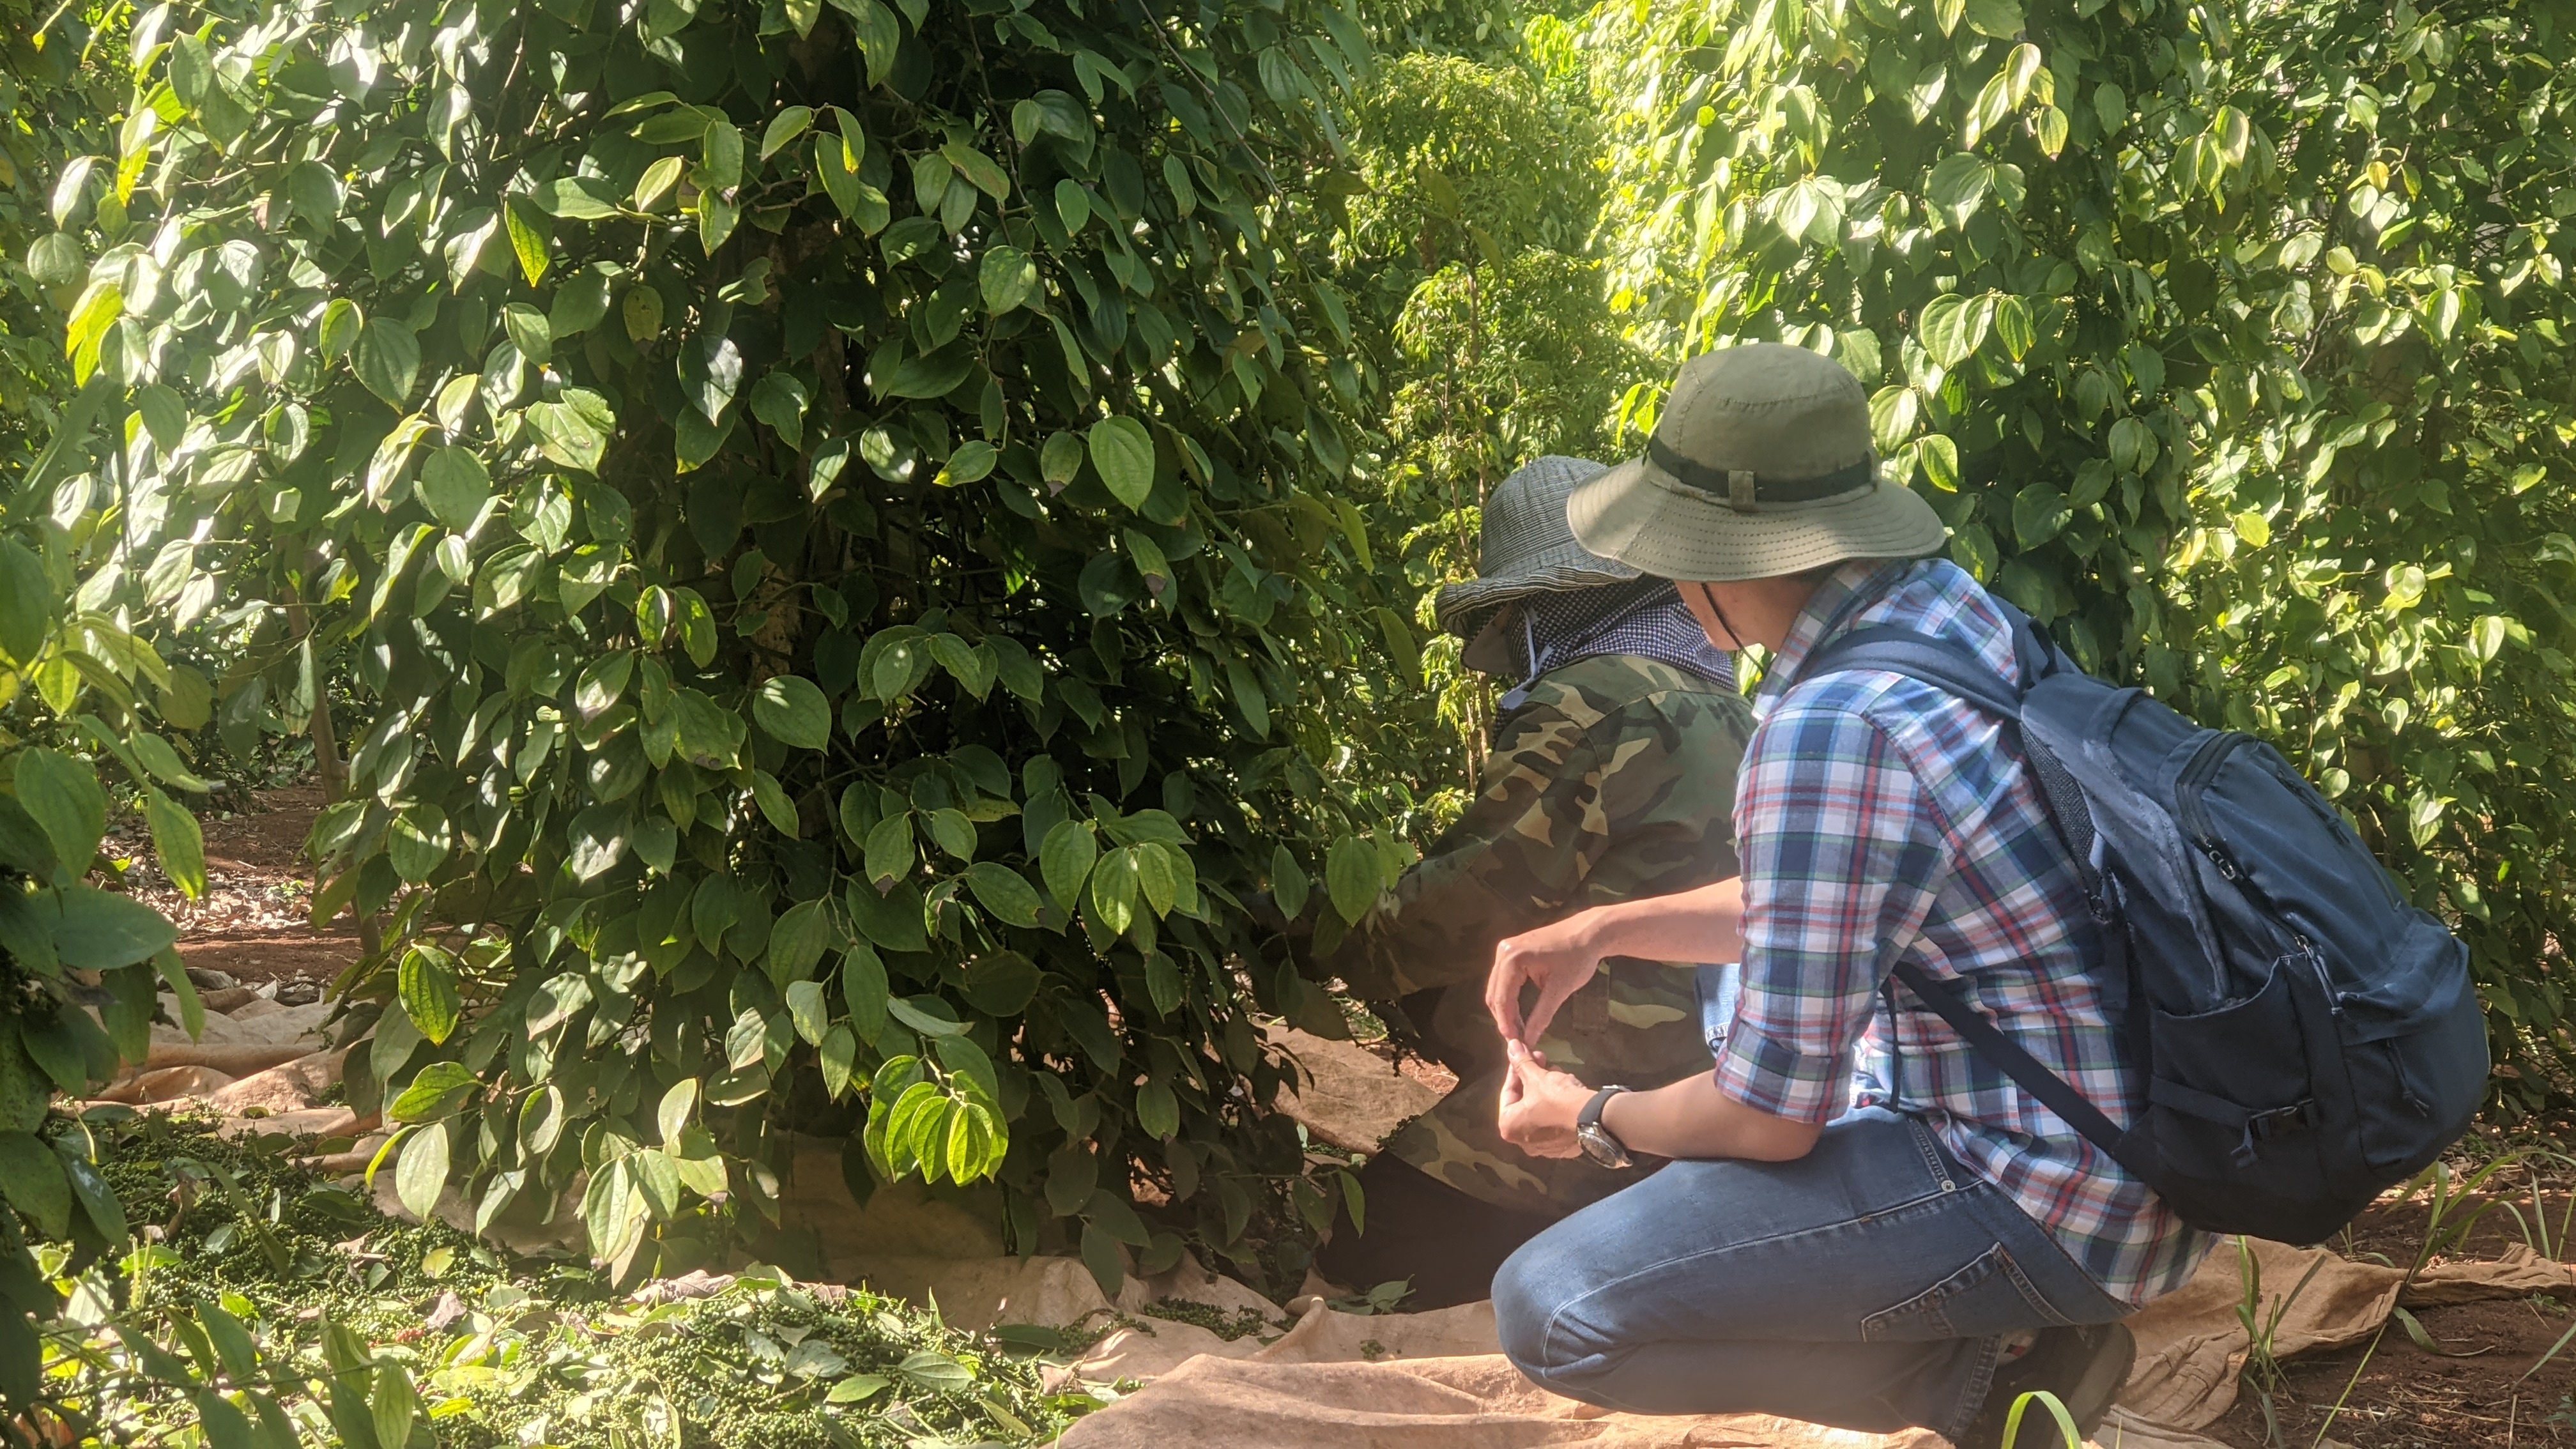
x,y
252,923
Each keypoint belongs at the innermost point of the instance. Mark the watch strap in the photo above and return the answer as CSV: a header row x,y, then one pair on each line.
x,y
1590,1116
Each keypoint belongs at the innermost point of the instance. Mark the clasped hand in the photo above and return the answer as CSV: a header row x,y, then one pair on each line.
x,y
1691,1118
1539,1104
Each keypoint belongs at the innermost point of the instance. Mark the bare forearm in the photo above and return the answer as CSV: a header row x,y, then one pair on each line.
x,y
1704,924
1693,1119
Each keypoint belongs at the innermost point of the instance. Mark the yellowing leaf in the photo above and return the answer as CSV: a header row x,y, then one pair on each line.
x,y
641,311
531,237
979,169
657,183
427,984
2051,131
177,843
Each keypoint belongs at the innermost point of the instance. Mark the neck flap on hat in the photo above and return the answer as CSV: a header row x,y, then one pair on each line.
x,y
1645,618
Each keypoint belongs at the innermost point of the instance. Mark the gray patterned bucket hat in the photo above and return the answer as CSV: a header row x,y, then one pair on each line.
x,y
1527,548
1761,466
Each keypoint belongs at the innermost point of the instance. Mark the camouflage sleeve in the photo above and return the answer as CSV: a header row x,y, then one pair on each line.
x,y
1511,862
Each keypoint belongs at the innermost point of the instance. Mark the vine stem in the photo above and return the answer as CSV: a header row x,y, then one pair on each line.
x,y
328,764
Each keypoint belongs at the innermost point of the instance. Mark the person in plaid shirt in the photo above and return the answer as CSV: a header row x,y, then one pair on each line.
x,y
1864,1223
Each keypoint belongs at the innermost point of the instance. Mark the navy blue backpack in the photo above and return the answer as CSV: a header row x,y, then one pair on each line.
x,y
2309,1037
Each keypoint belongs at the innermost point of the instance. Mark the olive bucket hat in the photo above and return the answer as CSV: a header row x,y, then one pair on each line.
x,y
1526,548
1760,466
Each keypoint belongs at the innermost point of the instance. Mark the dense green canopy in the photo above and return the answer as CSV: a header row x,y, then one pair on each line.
x,y
830,520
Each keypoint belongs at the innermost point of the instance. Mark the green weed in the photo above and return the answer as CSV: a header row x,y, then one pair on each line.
x,y
2454,1204
2446,1229
2074,1437
2535,1229
2262,1374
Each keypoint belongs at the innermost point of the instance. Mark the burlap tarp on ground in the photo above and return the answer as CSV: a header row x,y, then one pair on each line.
x,y
1436,1381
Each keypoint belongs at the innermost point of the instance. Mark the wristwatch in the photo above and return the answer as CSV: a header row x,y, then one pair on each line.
x,y
1597,1141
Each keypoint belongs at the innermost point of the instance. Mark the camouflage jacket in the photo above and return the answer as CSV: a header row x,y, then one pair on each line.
x,y
1615,780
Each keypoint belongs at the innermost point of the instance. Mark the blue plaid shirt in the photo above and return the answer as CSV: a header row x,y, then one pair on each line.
x,y
1881,820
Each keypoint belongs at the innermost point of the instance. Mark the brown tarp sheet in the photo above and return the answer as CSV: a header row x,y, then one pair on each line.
x,y
1435,1381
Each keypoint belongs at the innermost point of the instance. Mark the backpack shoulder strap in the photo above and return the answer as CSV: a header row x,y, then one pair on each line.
x,y
1948,666
2053,1091
1944,665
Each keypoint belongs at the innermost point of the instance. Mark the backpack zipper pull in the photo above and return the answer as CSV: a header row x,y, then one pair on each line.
x,y
2218,858
2317,963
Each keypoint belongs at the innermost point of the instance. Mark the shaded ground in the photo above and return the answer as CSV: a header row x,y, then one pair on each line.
x,y
252,923
1371,1033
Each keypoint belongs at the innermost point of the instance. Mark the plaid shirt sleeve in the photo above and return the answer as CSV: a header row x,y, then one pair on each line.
x,y
1842,861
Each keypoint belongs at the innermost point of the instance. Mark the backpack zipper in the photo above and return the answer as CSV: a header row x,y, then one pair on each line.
x,y
2196,774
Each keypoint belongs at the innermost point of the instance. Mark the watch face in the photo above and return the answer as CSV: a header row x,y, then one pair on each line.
x,y
1600,1146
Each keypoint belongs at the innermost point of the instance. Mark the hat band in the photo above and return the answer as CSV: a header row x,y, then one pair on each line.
x,y
1741,489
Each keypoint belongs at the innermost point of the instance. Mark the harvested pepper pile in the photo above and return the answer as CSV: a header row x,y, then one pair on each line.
x,y
253,1274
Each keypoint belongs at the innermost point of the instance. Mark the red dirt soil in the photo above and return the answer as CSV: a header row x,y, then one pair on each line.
x,y
2406,1397
252,923
2479,1391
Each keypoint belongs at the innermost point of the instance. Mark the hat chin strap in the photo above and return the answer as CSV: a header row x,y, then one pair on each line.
x,y
1732,636
1735,638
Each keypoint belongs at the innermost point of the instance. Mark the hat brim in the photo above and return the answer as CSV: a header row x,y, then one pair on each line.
x,y
1645,518
1462,608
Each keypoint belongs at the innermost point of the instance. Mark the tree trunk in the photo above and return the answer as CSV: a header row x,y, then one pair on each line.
x,y
328,764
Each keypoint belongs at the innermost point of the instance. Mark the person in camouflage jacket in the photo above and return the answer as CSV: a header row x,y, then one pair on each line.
x,y
1612,776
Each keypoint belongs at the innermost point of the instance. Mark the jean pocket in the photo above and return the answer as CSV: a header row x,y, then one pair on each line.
x,y
1989,1295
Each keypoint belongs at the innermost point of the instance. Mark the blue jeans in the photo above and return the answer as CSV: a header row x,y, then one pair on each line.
x,y
1867,1285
